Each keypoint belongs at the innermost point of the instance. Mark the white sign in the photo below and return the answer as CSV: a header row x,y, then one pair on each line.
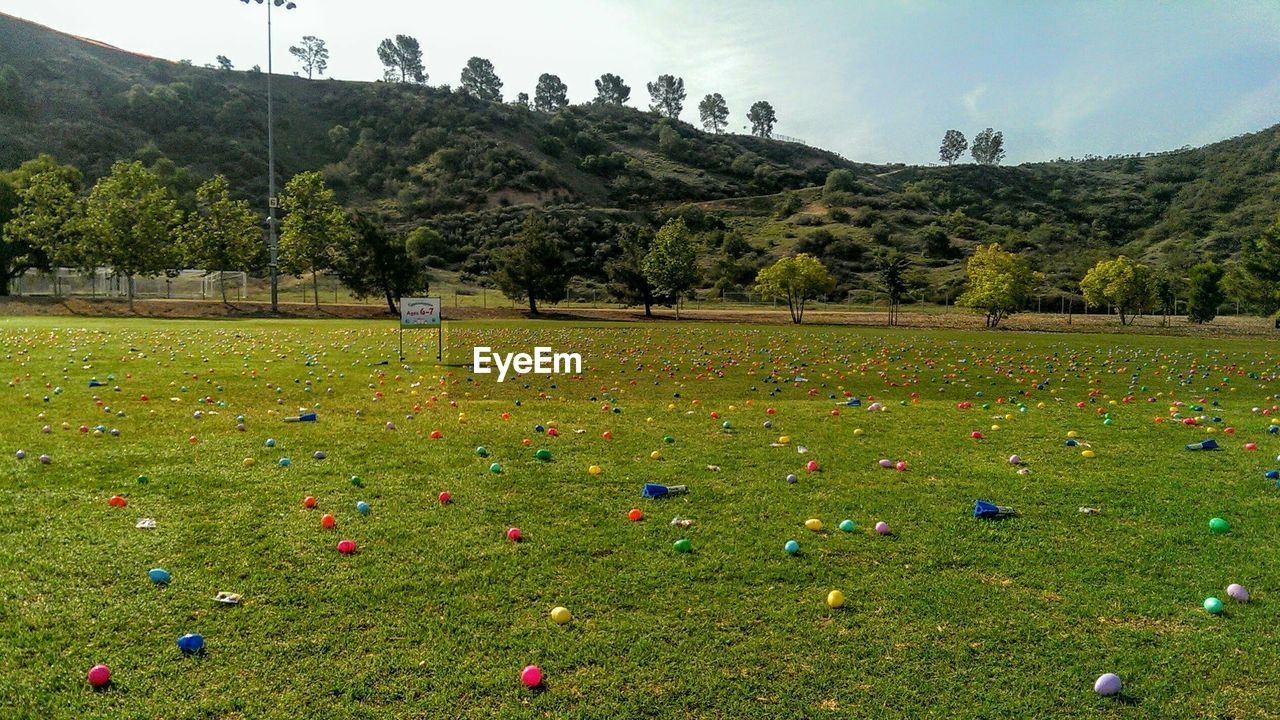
x,y
419,311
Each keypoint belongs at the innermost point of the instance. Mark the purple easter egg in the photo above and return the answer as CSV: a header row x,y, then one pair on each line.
x,y
1107,684
1015,460
886,463
21,454
1237,592
882,527
45,459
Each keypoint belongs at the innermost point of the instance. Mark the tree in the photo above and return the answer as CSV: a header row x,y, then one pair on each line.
x,y
551,94
1204,292
839,181
762,119
314,56
797,280
224,63
1263,265
953,146
892,268
1246,291
522,99
534,267
714,112
671,265
403,60
627,281
374,261
222,234
1164,287
610,90
988,147
313,229
129,220
479,79
40,212
1122,283
999,283
666,95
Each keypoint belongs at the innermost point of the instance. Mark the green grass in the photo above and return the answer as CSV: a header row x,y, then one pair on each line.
x,y
436,613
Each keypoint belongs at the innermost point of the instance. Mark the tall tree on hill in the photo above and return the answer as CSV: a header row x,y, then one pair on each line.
x,y
611,90
314,56
522,99
403,60
130,218
224,63
667,96
533,268
1205,292
714,113
40,214
988,147
479,79
627,281
762,119
314,227
953,146
551,94
373,261
222,234
671,265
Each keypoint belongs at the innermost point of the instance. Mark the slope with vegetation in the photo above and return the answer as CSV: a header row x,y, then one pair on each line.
x,y
458,170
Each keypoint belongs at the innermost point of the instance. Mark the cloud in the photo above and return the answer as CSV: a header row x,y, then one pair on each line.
x,y
971,98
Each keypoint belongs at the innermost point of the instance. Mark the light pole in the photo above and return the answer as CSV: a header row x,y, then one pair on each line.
x,y
272,245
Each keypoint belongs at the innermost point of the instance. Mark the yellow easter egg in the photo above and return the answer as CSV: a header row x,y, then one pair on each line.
x,y
561,615
1089,454
594,469
813,524
835,599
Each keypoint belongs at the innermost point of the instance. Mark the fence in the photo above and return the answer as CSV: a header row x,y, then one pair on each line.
x,y
186,285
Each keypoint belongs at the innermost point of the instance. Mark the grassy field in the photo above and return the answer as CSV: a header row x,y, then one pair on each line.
x,y
437,611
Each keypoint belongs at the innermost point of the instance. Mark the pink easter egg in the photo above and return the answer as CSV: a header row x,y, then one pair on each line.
x,y
99,675
882,527
531,676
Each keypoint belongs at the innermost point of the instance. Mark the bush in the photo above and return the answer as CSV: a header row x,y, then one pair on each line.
x,y
840,181
839,214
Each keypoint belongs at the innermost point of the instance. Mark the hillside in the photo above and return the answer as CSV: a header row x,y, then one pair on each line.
x,y
422,155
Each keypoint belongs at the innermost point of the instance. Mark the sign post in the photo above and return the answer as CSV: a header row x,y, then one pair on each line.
x,y
421,312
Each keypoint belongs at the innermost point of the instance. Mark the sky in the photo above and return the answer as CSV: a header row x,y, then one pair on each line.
x,y
875,81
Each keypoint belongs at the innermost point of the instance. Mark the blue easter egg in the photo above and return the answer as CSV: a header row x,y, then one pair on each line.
x,y
792,547
159,576
190,643
362,507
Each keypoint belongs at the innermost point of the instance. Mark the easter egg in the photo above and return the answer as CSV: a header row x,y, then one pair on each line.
x,y
882,528
846,526
444,497
668,439
859,432
308,502
495,468
99,675
21,454
813,524
683,545
811,466
271,442
791,478
357,481
1237,592
191,643
784,439
561,615
346,547
835,599
542,454
327,521
1015,459
1107,684
1213,605
635,515
655,455
249,462
514,534
531,676
319,455
285,462
1218,526
886,463
1088,454
901,465
362,507
792,547
159,576
117,501
482,451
